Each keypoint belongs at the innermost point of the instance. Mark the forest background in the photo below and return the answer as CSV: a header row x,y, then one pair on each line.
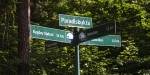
x,y
53,58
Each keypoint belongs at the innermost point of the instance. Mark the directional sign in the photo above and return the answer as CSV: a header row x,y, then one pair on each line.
x,y
75,21
96,32
108,40
52,34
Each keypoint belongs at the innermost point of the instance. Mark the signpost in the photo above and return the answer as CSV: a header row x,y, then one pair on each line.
x,y
85,37
79,22
108,40
51,34
75,21
96,32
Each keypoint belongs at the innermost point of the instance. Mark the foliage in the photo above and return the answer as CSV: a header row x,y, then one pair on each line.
x,y
53,58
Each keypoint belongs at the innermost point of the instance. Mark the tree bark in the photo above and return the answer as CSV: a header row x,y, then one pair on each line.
x,y
23,20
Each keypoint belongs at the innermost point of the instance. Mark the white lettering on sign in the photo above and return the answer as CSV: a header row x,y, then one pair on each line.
x,y
60,36
75,21
37,32
79,22
88,23
115,40
98,40
42,33
83,22
48,34
62,19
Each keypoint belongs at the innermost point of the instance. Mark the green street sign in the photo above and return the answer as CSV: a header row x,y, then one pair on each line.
x,y
108,40
52,34
75,21
96,32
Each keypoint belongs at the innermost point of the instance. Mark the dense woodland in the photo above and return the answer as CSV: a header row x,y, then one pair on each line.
x,y
53,58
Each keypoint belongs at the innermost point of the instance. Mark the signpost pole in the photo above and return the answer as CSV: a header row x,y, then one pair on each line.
x,y
77,59
77,52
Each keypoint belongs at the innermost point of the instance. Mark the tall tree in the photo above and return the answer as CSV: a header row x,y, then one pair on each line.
x,y
23,33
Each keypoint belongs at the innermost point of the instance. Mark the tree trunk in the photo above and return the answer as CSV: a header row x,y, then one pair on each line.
x,y
23,18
